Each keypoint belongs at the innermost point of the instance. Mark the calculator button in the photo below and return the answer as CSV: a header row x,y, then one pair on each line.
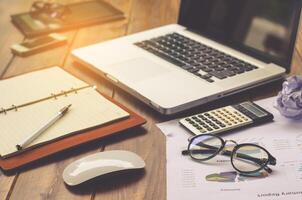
x,y
208,121
211,124
188,119
203,118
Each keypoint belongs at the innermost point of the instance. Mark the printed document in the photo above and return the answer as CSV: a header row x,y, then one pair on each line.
x,y
213,180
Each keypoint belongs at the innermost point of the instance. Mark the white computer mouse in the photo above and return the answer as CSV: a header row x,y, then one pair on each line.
x,y
99,164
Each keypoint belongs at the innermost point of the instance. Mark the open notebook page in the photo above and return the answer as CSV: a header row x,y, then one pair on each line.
x,y
89,109
36,85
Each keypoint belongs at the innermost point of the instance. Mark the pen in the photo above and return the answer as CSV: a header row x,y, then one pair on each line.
x,y
37,133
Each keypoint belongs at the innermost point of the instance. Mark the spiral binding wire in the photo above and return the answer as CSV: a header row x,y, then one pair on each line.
x,y
52,96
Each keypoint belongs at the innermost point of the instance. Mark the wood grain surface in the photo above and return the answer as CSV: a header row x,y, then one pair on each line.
x,y
42,180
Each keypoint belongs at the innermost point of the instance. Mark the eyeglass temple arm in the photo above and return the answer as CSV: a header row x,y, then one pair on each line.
x,y
272,160
209,150
227,153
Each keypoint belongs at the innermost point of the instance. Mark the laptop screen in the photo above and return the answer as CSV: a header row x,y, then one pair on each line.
x,y
265,29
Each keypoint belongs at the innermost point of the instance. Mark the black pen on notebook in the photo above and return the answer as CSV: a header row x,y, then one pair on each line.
x,y
37,133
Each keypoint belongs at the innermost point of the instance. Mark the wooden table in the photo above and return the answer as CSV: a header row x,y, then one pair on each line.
x,y
43,180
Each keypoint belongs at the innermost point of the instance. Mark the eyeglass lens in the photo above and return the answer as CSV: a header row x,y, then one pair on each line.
x,y
203,148
249,158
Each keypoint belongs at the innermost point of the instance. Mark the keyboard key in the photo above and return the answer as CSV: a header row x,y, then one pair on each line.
x,y
193,70
228,73
206,76
187,67
219,68
208,70
238,71
218,75
209,80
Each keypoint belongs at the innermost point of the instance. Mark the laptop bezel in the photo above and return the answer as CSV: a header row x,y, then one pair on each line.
x,y
253,52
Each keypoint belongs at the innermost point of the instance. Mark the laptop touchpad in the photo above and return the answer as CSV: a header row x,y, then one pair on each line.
x,y
136,70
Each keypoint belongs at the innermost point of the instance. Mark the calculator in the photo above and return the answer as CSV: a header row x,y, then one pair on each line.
x,y
227,118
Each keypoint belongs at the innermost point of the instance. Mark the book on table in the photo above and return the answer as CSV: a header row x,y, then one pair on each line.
x,y
31,99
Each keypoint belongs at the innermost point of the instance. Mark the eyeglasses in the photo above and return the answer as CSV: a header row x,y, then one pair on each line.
x,y
246,158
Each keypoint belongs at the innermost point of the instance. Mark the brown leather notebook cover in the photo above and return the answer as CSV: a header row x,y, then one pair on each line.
x,y
68,142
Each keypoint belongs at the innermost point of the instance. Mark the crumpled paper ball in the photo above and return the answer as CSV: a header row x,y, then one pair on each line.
x,y
289,100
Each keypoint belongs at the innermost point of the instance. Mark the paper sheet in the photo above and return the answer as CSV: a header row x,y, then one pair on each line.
x,y
187,179
89,108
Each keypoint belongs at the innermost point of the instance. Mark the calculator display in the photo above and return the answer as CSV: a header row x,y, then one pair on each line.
x,y
253,109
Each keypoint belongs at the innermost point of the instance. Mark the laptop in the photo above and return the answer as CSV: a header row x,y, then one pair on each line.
x,y
217,48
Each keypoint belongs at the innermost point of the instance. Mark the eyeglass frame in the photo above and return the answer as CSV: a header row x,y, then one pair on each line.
x,y
270,161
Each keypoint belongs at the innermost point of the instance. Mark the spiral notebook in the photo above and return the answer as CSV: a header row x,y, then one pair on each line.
x,y
28,101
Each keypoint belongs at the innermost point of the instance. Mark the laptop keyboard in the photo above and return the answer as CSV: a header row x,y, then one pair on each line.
x,y
194,57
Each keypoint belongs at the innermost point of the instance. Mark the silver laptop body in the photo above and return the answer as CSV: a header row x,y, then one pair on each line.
x,y
169,88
